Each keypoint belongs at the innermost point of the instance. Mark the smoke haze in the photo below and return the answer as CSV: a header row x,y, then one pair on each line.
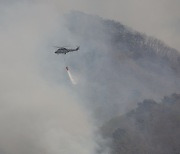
x,y
40,111
36,115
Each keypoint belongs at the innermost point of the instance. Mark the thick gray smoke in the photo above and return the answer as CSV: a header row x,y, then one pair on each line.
x,y
37,115
41,112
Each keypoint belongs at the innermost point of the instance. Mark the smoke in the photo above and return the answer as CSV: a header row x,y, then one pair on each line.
x,y
39,113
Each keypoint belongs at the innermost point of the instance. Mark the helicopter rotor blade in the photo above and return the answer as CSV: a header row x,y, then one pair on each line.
x,y
62,46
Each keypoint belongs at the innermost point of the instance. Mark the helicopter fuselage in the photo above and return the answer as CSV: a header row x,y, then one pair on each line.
x,y
65,50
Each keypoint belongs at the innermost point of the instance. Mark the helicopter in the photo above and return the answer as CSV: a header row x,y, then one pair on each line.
x,y
63,50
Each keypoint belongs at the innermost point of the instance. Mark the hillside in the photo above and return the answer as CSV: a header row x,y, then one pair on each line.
x,y
153,127
118,66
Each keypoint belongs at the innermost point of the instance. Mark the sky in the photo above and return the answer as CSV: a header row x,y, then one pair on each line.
x,y
37,114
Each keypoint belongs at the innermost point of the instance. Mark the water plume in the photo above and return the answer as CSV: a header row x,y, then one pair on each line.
x,y
71,77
